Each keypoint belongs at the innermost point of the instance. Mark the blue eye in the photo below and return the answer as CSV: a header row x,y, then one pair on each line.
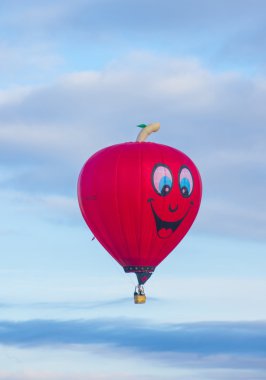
x,y
165,185
185,182
162,180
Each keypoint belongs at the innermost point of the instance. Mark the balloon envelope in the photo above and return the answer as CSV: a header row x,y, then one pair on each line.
x,y
139,200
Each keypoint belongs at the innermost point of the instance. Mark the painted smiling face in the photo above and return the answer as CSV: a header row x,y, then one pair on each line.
x,y
173,190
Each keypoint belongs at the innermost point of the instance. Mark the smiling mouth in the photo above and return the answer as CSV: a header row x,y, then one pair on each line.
x,y
166,229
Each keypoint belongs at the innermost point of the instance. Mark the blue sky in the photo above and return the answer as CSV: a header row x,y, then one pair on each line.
x,y
76,76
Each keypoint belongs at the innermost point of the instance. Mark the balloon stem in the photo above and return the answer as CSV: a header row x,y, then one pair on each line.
x,y
147,130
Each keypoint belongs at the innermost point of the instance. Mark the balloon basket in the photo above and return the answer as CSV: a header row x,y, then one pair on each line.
x,y
139,295
139,298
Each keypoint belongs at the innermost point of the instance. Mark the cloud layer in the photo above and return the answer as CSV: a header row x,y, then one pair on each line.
x,y
206,339
86,348
47,132
211,350
219,31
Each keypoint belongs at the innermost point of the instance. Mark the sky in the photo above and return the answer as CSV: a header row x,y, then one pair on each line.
x,y
75,77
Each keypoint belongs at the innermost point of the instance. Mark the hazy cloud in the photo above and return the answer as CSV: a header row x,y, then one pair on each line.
x,y
199,351
47,133
211,341
49,375
223,32
41,40
195,351
135,16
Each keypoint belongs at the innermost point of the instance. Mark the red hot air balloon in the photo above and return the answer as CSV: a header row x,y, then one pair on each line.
x,y
139,199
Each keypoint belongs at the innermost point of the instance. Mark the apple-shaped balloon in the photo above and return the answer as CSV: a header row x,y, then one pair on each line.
x,y
139,199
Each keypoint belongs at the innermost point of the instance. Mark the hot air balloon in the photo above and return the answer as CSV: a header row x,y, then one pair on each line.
x,y
139,199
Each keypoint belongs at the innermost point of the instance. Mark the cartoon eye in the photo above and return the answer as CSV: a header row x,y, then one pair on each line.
x,y
185,182
162,179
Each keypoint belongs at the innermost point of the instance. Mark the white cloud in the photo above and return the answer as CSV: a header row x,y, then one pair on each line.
x,y
13,96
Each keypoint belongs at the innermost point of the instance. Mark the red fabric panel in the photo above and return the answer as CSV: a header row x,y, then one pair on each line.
x,y
119,196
